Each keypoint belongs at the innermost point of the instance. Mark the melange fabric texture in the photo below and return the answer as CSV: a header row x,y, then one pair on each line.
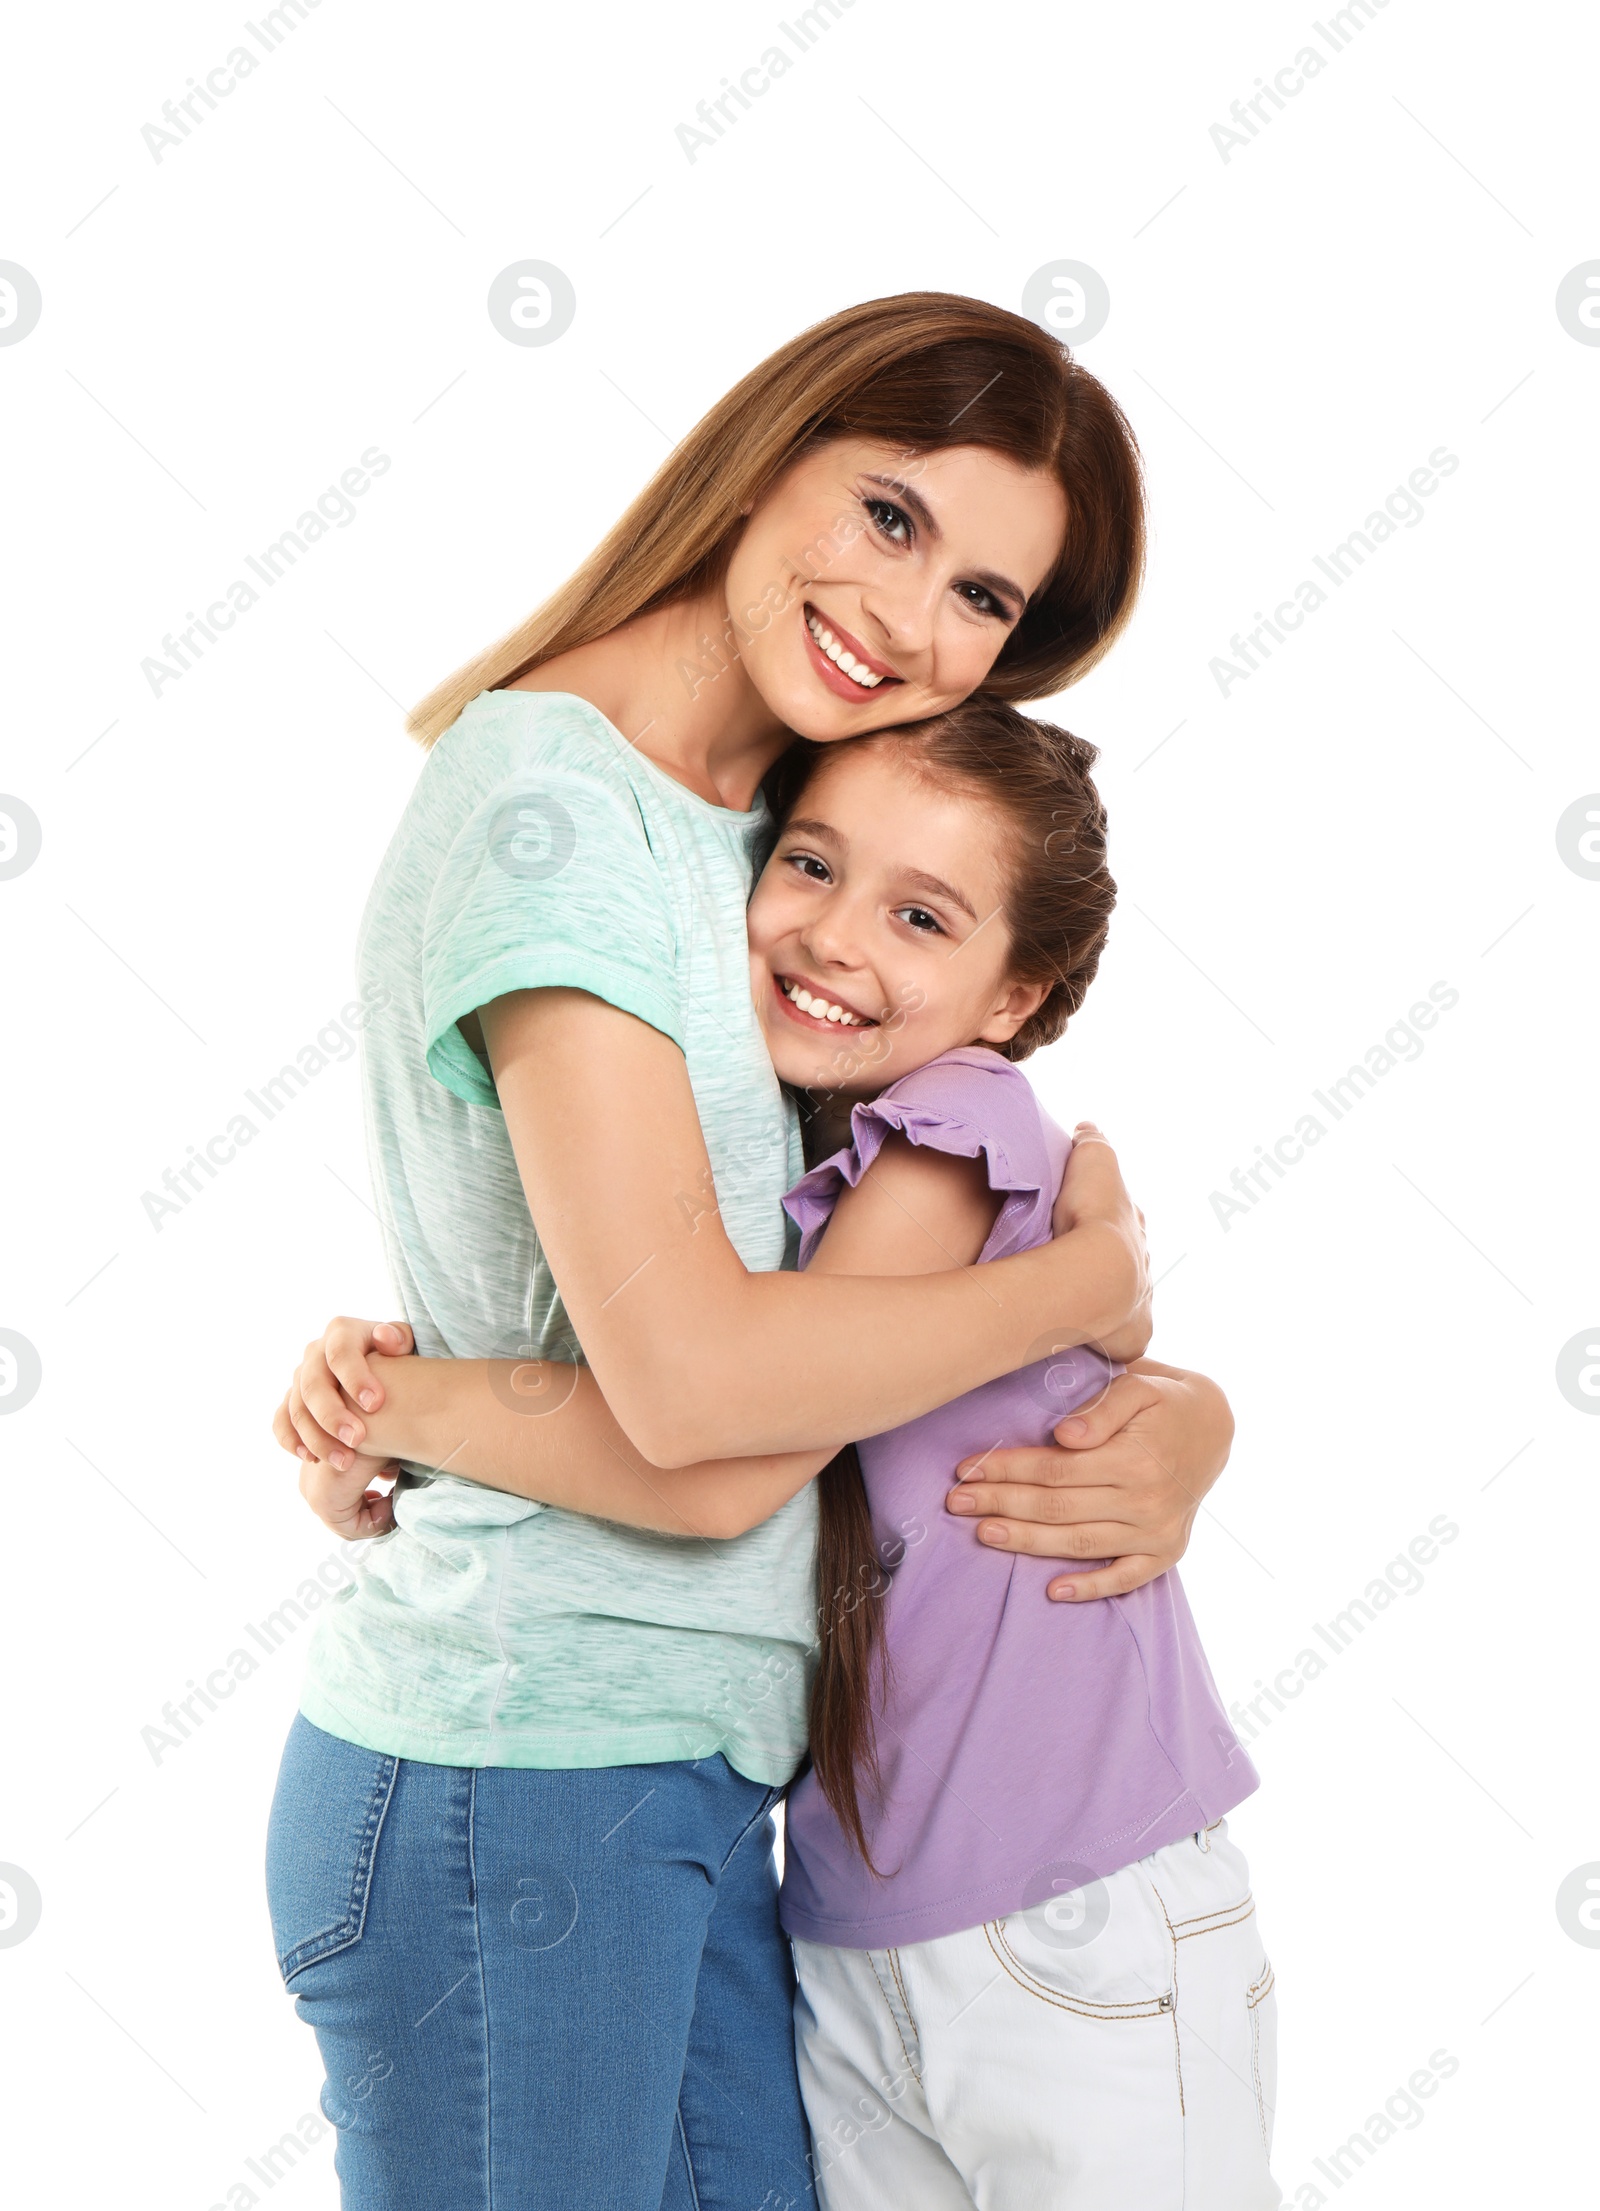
x,y
1025,1747
541,849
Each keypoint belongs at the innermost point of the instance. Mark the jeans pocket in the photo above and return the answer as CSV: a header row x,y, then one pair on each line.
x,y
1102,1950
322,1843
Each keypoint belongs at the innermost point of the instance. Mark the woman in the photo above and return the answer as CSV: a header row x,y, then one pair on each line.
x,y
519,1861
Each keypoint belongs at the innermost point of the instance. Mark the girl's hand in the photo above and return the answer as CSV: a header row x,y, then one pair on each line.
x,y
320,1418
347,1502
1122,1482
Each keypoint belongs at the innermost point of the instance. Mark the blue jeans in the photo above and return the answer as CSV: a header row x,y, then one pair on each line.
x,y
540,1991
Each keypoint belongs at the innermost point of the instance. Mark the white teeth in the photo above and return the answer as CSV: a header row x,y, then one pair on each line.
x,y
819,1008
856,670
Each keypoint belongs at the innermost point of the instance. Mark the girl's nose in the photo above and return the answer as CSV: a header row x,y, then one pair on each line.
x,y
830,940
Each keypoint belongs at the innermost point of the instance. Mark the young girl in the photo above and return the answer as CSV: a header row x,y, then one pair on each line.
x,y
1028,1964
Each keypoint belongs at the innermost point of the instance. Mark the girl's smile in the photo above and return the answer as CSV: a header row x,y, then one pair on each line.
x,y
813,1008
877,931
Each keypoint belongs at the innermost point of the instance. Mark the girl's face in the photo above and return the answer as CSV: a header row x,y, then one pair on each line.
x,y
877,939
872,586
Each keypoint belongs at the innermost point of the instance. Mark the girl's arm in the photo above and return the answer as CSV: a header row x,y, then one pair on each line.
x,y
698,1357
914,1212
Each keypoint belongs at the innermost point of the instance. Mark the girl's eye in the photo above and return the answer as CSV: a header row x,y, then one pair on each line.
x,y
808,865
919,918
889,520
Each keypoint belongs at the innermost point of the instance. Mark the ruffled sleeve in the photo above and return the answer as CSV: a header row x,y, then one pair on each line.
x,y
971,1103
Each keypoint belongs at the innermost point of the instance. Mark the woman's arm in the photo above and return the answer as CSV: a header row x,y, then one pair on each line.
x,y
698,1357
914,1212
1123,1482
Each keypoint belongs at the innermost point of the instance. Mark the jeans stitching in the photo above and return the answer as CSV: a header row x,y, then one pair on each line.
x,y
905,2005
327,1942
1177,2039
483,1990
767,1802
1083,2007
1216,1911
1255,2073
894,2014
1215,1926
688,2161
1258,1991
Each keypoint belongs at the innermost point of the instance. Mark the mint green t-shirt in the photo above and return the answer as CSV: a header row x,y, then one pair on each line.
x,y
540,848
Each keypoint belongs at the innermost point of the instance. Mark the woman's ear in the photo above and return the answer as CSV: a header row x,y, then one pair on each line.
x,y
1019,1002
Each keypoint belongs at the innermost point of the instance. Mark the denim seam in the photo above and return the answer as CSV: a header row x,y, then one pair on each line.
x,y
894,2010
328,1941
750,1825
1243,1905
1241,1912
1177,2038
688,2161
1254,1997
483,1992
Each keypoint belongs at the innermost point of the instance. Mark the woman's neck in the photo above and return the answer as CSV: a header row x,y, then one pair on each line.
x,y
675,689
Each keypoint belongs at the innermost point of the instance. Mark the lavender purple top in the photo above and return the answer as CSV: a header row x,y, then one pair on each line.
x,y
1026,1747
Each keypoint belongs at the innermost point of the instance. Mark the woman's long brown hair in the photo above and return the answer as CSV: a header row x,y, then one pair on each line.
x,y
1059,896
924,371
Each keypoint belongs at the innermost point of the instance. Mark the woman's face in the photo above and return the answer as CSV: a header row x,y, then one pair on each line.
x,y
877,939
872,586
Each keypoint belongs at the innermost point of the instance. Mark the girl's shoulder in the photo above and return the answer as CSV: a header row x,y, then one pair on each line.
x,y
970,1080
969,1102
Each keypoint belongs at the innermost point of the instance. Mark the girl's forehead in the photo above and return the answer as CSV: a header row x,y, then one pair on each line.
x,y
886,806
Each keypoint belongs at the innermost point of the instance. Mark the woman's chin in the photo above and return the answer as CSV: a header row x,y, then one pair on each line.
x,y
807,706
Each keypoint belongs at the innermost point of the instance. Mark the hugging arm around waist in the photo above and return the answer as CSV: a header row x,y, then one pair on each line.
x,y
699,1358
914,1212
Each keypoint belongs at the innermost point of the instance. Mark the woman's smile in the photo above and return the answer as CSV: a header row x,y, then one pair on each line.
x,y
838,653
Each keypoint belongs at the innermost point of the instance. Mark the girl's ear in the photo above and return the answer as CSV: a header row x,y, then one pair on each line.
x,y
1019,1002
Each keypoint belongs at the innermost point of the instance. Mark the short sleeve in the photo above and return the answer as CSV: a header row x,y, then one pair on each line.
x,y
971,1103
551,883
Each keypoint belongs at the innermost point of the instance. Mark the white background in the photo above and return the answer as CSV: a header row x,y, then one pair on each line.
x,y
1293,330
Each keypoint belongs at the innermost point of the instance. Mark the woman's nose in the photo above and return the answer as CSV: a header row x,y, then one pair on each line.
x,y
900,611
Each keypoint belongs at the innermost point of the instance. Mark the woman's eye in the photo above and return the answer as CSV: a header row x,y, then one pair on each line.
x,y
982,600
919,918
889,520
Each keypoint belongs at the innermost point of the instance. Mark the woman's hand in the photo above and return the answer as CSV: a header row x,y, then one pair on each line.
x,y
320,1417
1093,1201
1122,1482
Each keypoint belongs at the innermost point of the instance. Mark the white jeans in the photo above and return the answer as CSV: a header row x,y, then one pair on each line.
x,y
1114,2047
